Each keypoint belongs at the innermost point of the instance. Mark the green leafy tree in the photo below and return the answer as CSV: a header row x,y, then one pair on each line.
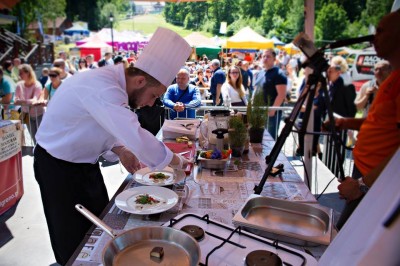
x,y
331,22
106,11
223,10
48,10
251,8
295,18
375,10
274,9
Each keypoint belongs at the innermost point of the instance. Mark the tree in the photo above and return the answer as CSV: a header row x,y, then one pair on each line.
x,y
271,9
48,10
223,10
295,18
375,10
251,8
331,22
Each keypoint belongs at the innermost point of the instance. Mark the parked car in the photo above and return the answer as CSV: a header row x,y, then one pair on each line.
x,y
361,66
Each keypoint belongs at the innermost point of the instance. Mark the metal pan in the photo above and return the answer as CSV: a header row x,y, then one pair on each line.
x,y
133,247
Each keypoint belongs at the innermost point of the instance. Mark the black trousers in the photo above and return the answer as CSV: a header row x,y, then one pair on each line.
x,y
63,185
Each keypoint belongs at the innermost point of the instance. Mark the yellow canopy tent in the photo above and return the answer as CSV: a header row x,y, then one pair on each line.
x,y
247,38
290,48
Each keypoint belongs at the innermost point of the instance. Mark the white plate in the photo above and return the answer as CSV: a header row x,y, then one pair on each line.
x,y
126,200
143,177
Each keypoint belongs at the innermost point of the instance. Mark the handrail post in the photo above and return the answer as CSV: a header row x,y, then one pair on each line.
x,y
40,61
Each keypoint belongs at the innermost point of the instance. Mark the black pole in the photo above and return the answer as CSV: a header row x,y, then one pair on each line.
x,y
112,32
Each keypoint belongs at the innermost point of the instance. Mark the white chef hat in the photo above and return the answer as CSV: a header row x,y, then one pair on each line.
x,y
164,55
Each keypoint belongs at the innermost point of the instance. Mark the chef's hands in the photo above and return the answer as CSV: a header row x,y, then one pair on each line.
x,y
127,158
179,162
349,189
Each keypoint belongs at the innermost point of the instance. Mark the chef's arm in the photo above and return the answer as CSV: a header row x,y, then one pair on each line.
x,y
127,158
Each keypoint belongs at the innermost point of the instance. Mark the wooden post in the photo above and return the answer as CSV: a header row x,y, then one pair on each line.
x,y
309,18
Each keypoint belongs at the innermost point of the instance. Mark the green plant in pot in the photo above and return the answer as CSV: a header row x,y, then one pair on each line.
x,y
237,134
257,116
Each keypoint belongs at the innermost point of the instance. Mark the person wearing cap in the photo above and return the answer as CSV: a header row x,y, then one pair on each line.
x,y
182,96
90,116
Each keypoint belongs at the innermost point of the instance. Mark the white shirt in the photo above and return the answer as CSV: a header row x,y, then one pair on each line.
x,y
88,116
228,92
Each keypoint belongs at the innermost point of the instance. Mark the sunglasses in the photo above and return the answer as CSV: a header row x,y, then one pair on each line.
x,y
57,65
53,75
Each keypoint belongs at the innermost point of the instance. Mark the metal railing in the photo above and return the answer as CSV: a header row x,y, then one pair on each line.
x,y
31,118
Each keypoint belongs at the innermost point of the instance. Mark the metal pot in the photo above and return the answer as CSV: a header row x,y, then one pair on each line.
x,y
133,247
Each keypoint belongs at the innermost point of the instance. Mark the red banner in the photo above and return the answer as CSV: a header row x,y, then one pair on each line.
x,y
11,185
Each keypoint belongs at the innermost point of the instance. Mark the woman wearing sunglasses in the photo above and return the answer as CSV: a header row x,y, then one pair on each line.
x,y
232,90
55,82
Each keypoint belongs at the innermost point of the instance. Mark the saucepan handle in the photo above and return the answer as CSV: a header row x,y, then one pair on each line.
x,y
94,219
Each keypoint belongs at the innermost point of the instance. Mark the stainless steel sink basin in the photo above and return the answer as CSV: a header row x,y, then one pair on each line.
x,y
292,222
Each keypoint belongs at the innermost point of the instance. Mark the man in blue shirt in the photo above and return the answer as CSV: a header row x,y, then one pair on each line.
x,y
217,80
7,89
182,96
273,82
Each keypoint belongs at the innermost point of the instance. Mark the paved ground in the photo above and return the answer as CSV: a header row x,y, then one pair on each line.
x,y
24,239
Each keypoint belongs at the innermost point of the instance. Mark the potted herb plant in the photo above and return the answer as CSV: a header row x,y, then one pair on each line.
x,y
257,116
237,134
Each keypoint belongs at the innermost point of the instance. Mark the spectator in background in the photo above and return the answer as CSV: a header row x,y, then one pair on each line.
x,y
55,82
7,90
61,64
15,70
108,59
44,77
82,65
341,93
101,63
232,90
244,67
248,58
69,67
132,57
90,61
368,90
272,82
7,68
218,78
208,75
28,94
202,83
182,96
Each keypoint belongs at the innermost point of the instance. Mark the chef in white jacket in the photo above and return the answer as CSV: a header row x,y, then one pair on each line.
x,y
90,116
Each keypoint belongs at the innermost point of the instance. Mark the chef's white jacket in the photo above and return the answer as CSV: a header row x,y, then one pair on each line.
x,y
89,115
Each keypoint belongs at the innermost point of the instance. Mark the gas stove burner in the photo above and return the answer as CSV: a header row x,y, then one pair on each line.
x,y
263,257
195,231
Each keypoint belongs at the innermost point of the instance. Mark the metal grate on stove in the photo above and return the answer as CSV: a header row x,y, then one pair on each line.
x,y
227,241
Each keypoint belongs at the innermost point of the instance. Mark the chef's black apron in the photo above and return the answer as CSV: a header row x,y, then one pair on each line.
x,y
63,185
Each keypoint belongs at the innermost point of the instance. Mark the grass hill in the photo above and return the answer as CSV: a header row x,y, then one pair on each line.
x,y
147,24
